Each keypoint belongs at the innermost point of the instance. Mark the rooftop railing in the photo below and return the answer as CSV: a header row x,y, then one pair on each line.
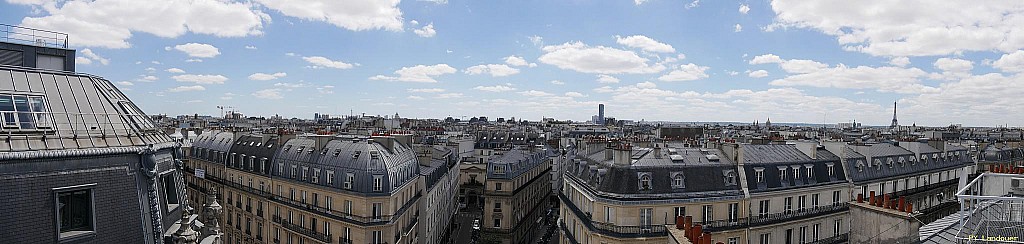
x,y
32,36
992,209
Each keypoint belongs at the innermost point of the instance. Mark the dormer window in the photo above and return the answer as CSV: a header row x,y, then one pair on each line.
x,y
349,177
678,180
912,159
730,178
378,183
903,162
645,181
878,162
759,174
782,174
810,171
860,166
796,171
831,168
924,158
889,162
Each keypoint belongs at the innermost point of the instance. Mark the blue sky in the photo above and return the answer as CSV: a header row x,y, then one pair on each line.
x,y
827,61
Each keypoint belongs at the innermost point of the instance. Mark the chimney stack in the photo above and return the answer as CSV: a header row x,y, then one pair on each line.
x,y
860,198
680,222
871,200
902,204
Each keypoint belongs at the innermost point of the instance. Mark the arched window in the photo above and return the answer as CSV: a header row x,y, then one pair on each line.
x,y
677,181
645,182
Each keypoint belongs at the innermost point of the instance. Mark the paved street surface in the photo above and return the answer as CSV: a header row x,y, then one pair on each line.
x,y
464,219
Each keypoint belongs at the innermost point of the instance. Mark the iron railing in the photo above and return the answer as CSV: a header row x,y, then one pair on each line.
x,y
775,218
619,231
32,36
303,230
841,238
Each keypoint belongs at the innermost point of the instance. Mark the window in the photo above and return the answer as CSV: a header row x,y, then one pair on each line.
x,y
347,208
348,180
678,180
327,203
609,215
759,173
75,212
831,170
734,240
497,186
734,209
730,178
294,171
497,207
303,173
645,216
709,213
316,176
810,172
170,191
766,238
837,227
330,177
680,211
814,232
377,208
645,181
497,223
327,228
801,203
782,174
789,204
378,183
259,230
763,207
803,234
814,200
24,112
378,237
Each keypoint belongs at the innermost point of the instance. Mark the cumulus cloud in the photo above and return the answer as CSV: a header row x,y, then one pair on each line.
x,y
201,79
495,70
518,61
737,28
686,72
557,82
449,95
88,56
126,83
426,31
581,57
198,50
882,79
758,73
321,62
418,73
607,79
175,70
953,68
798,66
744,8
90,24
187,88
356,15
644,43
900,61
535,93
574,94
1010,62
909,28
495,88
263,76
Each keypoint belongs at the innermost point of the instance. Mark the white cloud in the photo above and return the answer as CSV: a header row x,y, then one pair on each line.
x,y
535,93
356,15
88,56
262,76
580,57
607,79
418,73
126,83
187,88
175,70
518,61
426,31
883,79
557,82
694,4
110,23
737,28
909,28
574,94
449,95
638,2
426,90
300,84
1010,62
798,66
201,79
272,94
744,8
318,62
537,40
766,59
148,78
194,60
900,61
952,69
495,88
198,50
495,70
758,73
414,98
250,47
686,72
644,43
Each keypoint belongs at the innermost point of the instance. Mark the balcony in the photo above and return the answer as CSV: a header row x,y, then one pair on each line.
x,y
361,220
776,218
841,238
344,241
612,229
302,230
725,225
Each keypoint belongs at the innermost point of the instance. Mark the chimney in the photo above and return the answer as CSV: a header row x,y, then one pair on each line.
x,y
657,150
871,200
680,222
687,225
608,153
860,198
405,139
887,200
902,204
622,154
910,207
696,231
387,141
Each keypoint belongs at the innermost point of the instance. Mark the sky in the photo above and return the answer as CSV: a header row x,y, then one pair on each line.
x,y
943,62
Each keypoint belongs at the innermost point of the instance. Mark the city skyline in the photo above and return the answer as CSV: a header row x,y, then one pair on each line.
x,y
825,62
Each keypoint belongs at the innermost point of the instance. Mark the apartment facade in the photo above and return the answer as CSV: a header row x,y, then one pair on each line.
x,y
516,192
